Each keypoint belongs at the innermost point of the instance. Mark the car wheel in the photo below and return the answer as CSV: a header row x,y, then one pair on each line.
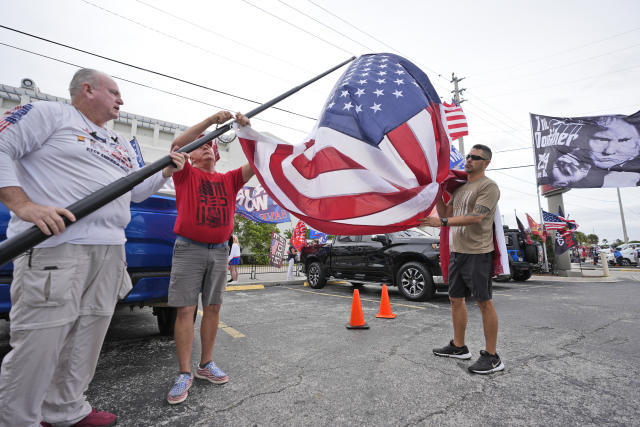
x,y
315,275
166,317
521,276
625,262
415,282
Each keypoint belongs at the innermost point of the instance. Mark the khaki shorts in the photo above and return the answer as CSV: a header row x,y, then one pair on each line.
x,y
196,268
53,286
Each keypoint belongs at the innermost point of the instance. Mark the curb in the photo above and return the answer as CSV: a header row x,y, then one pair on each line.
x,y
265,283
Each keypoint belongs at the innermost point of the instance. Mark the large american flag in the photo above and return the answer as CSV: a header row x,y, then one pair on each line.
x,y
373,163
456,120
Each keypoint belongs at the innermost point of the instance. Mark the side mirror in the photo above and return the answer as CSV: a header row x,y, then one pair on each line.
x,y
382,238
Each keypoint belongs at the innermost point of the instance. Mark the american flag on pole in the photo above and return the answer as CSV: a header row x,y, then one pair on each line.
x,y
555,222
456,120
373,163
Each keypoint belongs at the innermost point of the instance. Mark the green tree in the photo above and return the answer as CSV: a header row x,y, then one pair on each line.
x,y
581,238
592,239
617,243
254,237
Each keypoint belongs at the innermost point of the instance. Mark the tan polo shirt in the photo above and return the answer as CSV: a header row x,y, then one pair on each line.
x,y
474,238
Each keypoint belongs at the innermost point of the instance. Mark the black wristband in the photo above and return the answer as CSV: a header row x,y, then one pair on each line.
x,y
444,221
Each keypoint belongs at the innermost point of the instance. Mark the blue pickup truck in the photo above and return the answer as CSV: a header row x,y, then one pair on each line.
x,y
149,250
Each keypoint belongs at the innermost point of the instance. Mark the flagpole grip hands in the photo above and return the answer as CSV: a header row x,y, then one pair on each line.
x,y
178,160
219,118
242,120
49,219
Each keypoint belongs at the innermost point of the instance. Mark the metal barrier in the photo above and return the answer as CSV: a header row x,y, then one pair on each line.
x,y
250,266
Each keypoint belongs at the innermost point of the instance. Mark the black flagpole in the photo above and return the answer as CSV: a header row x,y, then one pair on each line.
x,y
13,247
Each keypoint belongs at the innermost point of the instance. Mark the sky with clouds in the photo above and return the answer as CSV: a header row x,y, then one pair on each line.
x,y
556,58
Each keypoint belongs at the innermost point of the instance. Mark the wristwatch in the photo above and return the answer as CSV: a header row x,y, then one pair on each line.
x,y
444,221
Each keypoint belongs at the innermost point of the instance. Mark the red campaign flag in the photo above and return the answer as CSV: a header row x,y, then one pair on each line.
x,y
537,229
456,120
299,236
375,160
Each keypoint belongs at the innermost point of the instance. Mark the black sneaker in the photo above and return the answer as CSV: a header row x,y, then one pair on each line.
x,y
487,363
453,351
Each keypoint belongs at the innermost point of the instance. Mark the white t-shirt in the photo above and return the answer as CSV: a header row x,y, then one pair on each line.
x,y
58,156
235,251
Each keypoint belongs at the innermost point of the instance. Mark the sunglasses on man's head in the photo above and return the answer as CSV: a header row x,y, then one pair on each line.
x,y
474,157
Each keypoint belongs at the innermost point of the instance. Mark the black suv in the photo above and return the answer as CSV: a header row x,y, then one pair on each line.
x,y
406,259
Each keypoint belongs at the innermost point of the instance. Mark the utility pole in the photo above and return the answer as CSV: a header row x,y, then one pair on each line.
x,y
624,225
456,96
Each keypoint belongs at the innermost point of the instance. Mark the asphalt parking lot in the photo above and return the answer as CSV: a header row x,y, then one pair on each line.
x,y
571,354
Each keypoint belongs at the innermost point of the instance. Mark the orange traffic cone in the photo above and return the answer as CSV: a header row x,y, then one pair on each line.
x,y
357,319
385,305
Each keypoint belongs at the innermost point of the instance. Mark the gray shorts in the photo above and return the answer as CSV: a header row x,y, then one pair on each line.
x,y
196,268
470,274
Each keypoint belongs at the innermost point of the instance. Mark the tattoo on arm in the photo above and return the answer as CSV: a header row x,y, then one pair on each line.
x,y
480,210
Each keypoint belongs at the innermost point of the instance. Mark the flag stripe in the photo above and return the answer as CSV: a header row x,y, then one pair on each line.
x,y
456,120
406,144
326,160
330,208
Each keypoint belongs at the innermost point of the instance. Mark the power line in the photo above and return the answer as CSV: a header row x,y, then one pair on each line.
x,y
325,25
374,38
567,82
184,41
245,45
514,149
502,69
565,194
477,98
496,123
151,87
297,27
511,167
564,65
151,71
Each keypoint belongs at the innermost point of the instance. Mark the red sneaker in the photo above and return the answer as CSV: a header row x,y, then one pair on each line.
x,y
94,419
97,419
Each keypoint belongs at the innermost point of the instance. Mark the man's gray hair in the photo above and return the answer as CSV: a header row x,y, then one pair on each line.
x,y
83,75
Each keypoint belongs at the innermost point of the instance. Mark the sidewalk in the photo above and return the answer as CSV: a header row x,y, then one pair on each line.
x,y
245,282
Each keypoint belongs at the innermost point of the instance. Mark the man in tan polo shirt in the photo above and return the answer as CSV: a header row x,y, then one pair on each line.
x,y
470,214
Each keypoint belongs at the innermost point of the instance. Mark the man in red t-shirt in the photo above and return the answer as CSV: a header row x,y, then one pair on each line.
x,y
206,202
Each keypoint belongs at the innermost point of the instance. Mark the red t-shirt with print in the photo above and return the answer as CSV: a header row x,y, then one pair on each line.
x,y
206,203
